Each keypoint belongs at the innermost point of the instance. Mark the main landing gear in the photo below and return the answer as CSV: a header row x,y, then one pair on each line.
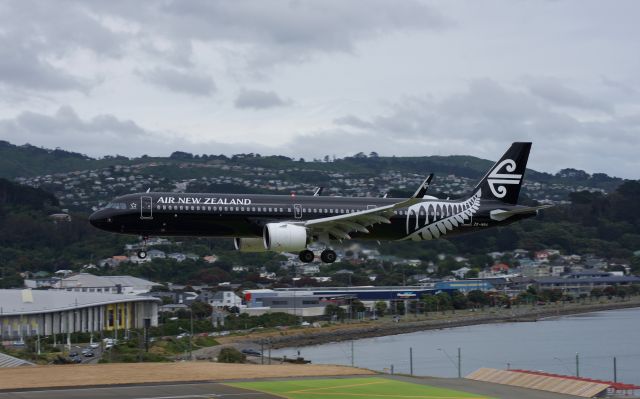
x,y
327,256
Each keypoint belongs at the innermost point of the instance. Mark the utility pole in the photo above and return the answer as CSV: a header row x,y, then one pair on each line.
x,y
411,361
191,335
615,370
262,351
577,364
459,363
353,361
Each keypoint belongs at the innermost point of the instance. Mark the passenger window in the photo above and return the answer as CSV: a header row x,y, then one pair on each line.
x,y
253,209
225,208
242,208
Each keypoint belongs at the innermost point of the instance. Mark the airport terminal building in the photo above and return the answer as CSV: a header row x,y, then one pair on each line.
x,y
25,313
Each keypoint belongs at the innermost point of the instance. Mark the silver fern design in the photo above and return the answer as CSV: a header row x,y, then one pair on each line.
x,y
433,219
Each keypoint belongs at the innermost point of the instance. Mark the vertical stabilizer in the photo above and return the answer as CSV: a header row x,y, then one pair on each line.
x,y
504,179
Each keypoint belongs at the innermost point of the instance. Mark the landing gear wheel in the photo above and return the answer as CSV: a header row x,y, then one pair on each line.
x,y
306,256
142,254
328,256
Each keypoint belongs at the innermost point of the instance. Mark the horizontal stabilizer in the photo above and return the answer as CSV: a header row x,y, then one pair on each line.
x,y
500,214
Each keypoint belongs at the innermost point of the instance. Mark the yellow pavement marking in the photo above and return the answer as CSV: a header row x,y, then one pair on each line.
x,y
337,387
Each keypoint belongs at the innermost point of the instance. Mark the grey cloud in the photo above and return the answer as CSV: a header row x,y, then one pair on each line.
x,y
34,33
21,67
353,121
553,91
188,82
258,99
483,121
105,135
66,129
276,31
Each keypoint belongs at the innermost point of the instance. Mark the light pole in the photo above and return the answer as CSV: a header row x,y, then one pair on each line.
x,y
190,337
458,366
139,344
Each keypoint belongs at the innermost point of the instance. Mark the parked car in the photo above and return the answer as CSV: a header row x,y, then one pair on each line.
x,y
89,354
73,354
251,352
94,345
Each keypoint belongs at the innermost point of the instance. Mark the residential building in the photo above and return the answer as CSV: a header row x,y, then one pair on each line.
x,y
225,298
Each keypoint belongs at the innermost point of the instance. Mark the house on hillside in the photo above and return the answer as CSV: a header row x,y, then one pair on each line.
x,y
225,298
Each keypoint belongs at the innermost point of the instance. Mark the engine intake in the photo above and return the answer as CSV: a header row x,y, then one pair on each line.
x,y
284,237
249,244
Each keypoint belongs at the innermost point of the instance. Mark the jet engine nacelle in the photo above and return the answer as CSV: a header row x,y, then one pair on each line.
x,y
249,244
284,237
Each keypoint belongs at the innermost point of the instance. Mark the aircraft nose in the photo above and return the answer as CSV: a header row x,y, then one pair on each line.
x,y
99,219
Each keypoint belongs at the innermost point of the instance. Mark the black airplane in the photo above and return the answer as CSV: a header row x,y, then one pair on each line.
x,y
289,223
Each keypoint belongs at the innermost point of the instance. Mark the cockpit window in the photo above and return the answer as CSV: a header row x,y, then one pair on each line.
x,y
116,205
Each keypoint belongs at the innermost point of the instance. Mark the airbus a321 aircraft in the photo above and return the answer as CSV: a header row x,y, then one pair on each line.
x,y
289,223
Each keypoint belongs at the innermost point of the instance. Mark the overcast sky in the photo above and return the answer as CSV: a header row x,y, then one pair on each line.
x,y
336,77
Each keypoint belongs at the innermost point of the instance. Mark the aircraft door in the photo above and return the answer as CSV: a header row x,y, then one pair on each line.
x,y
146,207
297,211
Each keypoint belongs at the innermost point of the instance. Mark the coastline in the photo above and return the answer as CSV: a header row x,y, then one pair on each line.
x,y
461,318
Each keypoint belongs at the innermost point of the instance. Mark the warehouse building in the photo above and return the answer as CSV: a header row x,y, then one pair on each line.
x,y
28,312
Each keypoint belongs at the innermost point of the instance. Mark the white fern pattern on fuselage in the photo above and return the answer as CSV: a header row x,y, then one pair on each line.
x,y
433,219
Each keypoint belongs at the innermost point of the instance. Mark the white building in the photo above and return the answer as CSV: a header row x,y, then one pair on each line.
x,y
86,282
44,312
225,298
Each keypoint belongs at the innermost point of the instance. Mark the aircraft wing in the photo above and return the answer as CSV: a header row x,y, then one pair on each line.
x,y
340,226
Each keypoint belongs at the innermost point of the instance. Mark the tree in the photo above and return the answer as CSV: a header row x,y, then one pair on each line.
x,y
473,273
231,355
478,298
459,300
201,310
357,306
334,311
381,308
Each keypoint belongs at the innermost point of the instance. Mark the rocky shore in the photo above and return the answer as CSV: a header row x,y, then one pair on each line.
x,y
349,331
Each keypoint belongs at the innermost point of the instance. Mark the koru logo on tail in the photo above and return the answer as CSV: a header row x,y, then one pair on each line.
x,y
498,180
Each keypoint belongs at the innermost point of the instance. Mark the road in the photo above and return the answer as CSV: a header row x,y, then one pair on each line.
x,y
151,391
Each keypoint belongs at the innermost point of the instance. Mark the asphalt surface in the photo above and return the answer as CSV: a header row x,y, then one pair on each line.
x,y
151,391
219,390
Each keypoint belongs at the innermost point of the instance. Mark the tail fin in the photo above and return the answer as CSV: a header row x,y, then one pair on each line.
x,y
503,181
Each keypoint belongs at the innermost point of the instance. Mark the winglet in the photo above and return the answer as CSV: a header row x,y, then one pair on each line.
x,y
318,191
420,192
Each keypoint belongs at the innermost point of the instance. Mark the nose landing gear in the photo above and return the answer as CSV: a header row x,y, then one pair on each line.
x,y
142,252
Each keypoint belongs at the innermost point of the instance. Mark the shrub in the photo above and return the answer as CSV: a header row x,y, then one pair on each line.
x,y
231,355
